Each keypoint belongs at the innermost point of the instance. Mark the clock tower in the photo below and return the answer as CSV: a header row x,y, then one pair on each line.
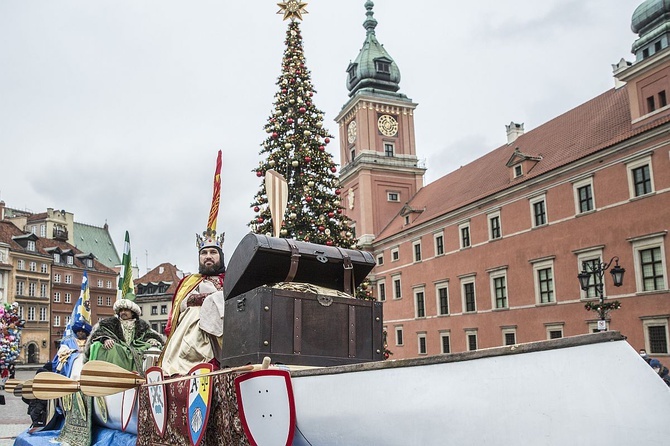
x,y
380,171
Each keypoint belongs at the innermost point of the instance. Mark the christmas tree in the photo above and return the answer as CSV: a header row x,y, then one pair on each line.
x,y
295,147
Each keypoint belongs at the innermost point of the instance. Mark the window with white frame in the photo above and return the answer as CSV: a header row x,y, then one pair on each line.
x,y
468,294
399,335
20,264
89,263
471,339
99,301
419,303
588,261
68,278
543,272
56,321
416,248
442,294
397,288
584,200
109,284
109,301
381,290
538,211
56,296
495,228
445,341
68,298
395,254
154,310
656,335
389,149
439,244
499,288
554,331
70,260
393,196
164,309
43,314
33,229
31,313
99,283
421,339
44,268
43,290
380,259
43,231
509,335
32,287
56,257
464,231
56,278
32,266
20,284
650,265
31,245
640,177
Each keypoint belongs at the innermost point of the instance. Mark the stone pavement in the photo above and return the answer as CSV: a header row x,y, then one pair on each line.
x,y
13,415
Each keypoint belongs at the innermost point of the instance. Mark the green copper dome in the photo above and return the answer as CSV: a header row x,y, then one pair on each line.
x,y
373,70
651,21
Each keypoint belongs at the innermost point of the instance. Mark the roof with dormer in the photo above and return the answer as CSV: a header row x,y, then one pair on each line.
x,y
593,126
165,273
97,240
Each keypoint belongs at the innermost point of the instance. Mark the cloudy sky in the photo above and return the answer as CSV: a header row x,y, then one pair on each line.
x,y
114,110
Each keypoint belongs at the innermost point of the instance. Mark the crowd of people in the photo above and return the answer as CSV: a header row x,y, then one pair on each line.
x,y
661,370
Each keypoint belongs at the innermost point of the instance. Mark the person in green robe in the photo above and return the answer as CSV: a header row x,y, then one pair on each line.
x,y
124,338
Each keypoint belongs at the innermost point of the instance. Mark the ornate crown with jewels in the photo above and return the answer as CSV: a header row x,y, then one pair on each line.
x,y
209,238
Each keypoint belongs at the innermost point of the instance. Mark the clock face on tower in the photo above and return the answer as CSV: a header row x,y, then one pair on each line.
x,y
387,125
351,132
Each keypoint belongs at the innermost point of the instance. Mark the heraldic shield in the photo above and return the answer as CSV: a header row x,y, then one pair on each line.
x,y
199,398
266,407
157,399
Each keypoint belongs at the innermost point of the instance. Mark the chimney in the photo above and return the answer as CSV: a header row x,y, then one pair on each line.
x,y
2,210
514,130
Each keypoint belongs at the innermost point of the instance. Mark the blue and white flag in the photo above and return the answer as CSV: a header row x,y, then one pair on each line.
x,y
82,308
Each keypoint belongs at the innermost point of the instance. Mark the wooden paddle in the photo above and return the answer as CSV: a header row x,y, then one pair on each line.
x,y
277,189
11,384
27,390
100,378
48,385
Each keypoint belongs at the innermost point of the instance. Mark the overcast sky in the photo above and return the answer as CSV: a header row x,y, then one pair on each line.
x,y
114,110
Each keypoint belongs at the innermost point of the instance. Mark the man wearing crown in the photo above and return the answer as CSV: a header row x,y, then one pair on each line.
x,y
195,324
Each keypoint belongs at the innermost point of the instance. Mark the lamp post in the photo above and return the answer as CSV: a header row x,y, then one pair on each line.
x,y
598,272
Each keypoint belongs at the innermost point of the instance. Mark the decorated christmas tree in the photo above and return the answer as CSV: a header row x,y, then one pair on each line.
x,y
296,148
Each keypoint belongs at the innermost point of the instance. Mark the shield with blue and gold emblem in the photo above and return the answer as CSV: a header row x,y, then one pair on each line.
x,y
157,399
199,397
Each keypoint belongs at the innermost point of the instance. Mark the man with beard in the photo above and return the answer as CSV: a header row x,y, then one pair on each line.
x,y
195,324
123,339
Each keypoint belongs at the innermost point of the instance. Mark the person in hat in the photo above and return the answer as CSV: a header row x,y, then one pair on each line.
x,y
195,323
71,348
124,338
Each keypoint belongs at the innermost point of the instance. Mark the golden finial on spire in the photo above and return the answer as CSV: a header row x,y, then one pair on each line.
x,y
292,9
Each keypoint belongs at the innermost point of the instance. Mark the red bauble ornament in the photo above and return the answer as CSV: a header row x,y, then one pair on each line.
x,y
256,209
327,140
290,120
259,173
259,220
302,109
308,159
338,192
292,81
308,199
275,135
329,242
297,71
322,148
331,214
322,228
284,90
333,169
339,211
311,94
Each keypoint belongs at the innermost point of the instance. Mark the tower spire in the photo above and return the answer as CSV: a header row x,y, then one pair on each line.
x,y
370,23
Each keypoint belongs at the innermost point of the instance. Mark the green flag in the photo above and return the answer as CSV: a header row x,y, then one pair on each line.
x,y
126,285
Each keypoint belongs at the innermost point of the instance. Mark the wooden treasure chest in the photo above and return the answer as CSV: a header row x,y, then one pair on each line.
x,y
308,318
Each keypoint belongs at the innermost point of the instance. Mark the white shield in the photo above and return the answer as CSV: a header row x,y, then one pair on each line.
x,y
128,406
266,406
157,399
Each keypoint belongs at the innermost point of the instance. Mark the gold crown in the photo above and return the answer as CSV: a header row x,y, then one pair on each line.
x,y
209,238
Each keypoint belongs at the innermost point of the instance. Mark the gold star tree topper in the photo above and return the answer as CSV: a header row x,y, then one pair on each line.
x,y
292,9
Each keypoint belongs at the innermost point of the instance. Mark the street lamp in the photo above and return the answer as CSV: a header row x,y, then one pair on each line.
x,y
597,270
